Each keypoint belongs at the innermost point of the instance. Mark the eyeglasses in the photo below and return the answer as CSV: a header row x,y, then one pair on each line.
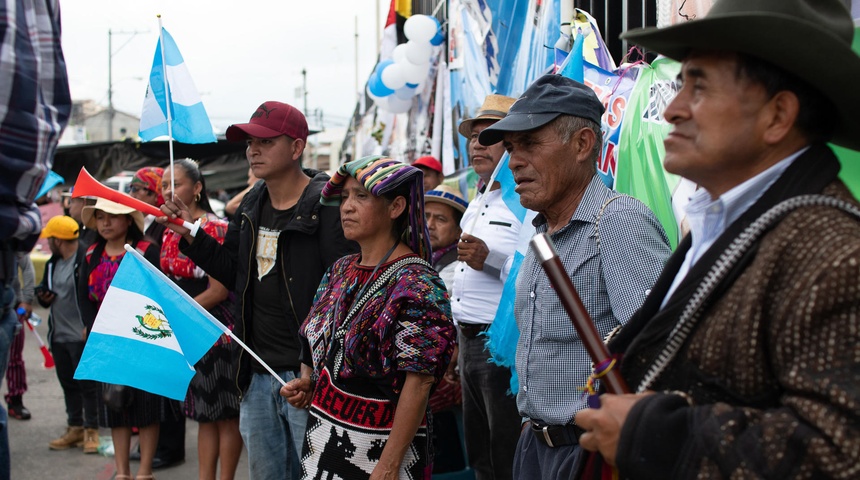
x,y
135,189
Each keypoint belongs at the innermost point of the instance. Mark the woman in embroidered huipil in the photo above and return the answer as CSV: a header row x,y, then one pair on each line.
x,y
211,400
379,336
118,225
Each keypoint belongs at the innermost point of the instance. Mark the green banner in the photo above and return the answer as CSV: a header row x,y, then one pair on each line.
x,y
640,152
850,159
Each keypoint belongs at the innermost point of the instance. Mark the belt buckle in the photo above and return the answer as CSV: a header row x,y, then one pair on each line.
x,y
546,436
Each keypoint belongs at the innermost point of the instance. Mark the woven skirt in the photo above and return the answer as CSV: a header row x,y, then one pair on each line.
x,y
212,394
346,434
145,409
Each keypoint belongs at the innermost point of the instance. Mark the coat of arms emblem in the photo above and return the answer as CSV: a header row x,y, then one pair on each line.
x,y
153,325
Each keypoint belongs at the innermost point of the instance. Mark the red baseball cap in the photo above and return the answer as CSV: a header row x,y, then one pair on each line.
x,y
428,162
272,119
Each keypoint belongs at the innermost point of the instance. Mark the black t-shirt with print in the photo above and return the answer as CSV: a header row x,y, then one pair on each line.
x,y
274,331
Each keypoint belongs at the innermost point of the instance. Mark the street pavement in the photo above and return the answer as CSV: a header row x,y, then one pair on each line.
x,y
31,457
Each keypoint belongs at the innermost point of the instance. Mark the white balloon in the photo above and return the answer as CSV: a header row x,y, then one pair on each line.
x,y
420,28
418,53
399,53
414,74
393,76
398,105
382,102
405,93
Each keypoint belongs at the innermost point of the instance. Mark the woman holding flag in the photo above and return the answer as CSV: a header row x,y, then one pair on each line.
x,y
211,400
379,336
118,225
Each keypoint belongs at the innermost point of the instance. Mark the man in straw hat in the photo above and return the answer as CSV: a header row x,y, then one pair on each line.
x,y
749,337
444,207
485,253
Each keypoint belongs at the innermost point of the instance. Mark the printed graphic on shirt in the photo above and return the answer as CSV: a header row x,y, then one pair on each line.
x,y
267,251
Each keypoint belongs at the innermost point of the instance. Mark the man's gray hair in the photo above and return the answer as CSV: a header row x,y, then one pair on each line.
x,y
567,125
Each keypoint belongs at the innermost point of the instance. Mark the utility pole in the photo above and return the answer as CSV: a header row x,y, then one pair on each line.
x,y
111,111
355,119
305,90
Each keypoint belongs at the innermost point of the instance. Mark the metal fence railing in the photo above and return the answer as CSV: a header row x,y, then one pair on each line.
x,y
617,16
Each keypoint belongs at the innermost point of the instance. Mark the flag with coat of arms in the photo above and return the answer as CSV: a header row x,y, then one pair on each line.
x,y
189,122
148,333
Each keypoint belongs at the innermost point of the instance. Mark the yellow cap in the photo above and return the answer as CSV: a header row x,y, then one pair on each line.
x,y
62,227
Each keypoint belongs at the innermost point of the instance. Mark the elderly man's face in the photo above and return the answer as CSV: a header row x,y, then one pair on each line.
x,y
484,159
544,168
719,121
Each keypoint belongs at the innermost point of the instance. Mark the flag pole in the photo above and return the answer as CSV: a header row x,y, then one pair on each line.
x,y
167,104
213,320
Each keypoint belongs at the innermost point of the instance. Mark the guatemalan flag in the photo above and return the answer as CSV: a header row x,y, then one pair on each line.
x,y
503,333
148,333
189,121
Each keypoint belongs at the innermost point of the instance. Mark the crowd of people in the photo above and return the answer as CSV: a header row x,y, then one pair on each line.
x,y
369,292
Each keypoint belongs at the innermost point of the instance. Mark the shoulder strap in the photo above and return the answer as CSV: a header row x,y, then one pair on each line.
x,y
600,216
141,246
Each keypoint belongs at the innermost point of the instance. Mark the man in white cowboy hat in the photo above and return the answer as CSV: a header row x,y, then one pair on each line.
x,y
485,252
749,337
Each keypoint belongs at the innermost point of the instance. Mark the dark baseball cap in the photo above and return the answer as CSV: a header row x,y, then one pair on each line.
x,y
548,97
272,119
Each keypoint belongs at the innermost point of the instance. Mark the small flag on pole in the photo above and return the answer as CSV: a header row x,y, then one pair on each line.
x,y
189,119
148,333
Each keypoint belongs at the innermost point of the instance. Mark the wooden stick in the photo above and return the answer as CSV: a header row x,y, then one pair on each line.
x,y
591,339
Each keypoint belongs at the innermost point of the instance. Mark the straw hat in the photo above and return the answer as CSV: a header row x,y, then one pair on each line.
x,y
808,38
88,214
447,195
495,107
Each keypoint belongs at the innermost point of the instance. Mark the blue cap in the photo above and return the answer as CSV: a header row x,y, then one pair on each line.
x,y
548,97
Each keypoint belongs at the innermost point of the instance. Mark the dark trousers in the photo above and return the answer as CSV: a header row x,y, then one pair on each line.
x,y
491,422
536,461
16,374
80,395
171,439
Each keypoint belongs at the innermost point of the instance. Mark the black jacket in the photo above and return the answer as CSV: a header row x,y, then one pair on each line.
x,y
312,241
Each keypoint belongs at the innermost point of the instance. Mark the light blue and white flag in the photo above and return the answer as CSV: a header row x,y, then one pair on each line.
x,y
190,123
148,333
503,332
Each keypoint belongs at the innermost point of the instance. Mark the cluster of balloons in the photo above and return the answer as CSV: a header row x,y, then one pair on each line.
x,y
394,82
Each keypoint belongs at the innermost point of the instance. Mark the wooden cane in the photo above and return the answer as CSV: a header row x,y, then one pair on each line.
x,y
591,339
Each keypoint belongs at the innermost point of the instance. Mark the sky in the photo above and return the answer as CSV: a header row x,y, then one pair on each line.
x,y
240,53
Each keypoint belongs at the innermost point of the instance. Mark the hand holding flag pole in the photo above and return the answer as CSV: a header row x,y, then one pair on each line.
x,y
86,186
149,333
611,377
160,275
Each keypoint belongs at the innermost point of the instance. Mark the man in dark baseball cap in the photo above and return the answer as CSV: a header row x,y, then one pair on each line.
x,y
611,245
279,244
548,98
744,357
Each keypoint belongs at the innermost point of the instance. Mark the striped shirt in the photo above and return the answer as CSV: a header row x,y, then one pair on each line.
x,y
34,108
613,281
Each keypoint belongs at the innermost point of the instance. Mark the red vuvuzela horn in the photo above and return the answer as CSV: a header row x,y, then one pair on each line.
x,y
87,186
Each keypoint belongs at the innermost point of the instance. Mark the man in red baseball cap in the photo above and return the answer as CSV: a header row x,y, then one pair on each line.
x,y
279,244
432,169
